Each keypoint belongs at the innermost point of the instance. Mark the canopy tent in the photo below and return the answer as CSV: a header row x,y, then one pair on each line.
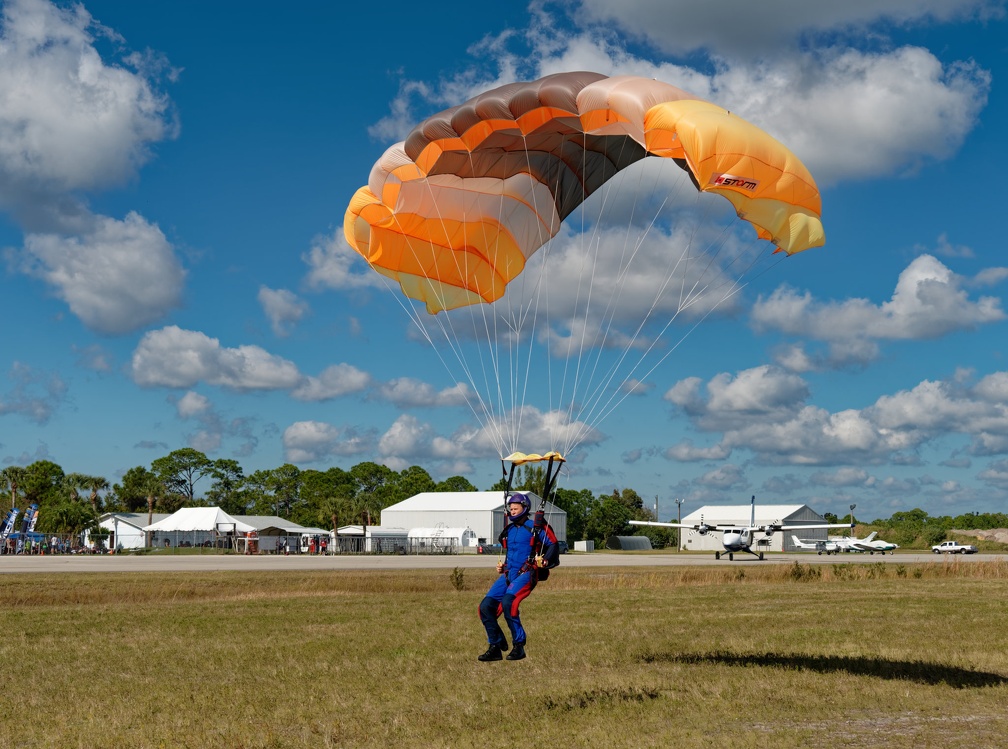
x,y
200,519
198,526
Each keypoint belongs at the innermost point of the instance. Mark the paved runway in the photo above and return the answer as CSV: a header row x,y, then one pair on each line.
x,y
168,562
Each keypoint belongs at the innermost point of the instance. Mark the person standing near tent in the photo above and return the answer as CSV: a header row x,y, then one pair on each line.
x,y
525,548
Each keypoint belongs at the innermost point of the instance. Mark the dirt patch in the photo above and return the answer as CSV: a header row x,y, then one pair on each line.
x,y
995,534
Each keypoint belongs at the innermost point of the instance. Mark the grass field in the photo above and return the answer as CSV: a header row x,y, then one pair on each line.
x,y
883,654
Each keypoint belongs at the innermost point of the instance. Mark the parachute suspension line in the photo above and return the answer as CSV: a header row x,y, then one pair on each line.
x,y
493,346
735,287
562,399
598,390
595,389
538,298
486,421
584,372
416,319
608,317
719,243
518,413
596,409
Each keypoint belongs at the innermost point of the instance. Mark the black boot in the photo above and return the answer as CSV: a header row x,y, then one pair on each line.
x,y
518,653
493,653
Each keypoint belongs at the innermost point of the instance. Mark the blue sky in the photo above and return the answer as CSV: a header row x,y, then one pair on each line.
x,y
173,179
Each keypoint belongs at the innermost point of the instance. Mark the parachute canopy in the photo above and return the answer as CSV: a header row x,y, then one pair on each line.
x,y
518,458
454,212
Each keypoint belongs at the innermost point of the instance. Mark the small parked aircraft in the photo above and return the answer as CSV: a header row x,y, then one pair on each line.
x,y
740,538
836,544
869,544
827,547
880,546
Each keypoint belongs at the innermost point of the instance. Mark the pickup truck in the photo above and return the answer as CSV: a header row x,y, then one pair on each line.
x,y
954,547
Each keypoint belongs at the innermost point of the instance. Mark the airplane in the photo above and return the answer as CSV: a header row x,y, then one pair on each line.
x,y
739,538
880,546
869,543
829,547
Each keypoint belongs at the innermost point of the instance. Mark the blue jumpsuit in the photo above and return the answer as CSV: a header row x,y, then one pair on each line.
x,y
515,584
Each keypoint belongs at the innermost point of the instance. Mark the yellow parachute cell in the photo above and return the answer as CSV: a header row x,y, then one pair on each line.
x,y
520,458
454,212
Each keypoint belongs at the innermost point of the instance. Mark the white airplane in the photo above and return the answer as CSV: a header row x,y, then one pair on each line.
x,y
869,543
827,547
739,538
880,546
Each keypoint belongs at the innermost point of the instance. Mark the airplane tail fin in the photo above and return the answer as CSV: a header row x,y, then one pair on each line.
x,y
752,515
871,536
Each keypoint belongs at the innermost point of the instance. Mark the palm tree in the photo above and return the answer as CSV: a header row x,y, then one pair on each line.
x,y
10,478
155,489
95,484
73,484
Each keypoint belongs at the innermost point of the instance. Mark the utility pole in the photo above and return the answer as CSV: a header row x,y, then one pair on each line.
x,y
679,502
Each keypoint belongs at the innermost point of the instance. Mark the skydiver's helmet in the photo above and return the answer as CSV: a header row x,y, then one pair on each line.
x,y
519,498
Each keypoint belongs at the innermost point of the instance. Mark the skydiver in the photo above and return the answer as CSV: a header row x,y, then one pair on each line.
x,y
519,572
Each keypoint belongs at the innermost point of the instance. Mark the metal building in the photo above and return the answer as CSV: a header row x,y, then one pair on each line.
x,y
482,512
741,514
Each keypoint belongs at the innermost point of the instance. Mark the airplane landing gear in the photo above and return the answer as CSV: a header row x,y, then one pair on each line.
x,y
717,554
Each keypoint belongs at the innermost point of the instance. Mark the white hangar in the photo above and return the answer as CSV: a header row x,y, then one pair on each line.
x,y
483,512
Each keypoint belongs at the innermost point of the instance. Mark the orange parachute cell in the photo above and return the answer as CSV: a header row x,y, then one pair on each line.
x,y
454,212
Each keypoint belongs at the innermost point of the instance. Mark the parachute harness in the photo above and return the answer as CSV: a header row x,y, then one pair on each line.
x,y
539,519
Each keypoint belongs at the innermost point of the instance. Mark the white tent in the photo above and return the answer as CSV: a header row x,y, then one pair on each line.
x,y
201,519
198,526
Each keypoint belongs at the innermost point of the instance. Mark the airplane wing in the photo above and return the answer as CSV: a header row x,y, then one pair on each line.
x,y
778,527
694,526
702,528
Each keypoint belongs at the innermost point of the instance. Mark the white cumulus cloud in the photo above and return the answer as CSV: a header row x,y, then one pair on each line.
x,y
929,301
177,358
116,277
283,308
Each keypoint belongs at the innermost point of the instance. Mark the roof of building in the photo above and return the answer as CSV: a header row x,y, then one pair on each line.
x,y
136,519
462,501
448,501
266,522
372,530
741,514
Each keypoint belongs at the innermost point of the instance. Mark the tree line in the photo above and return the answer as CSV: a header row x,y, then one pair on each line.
x,y
72,503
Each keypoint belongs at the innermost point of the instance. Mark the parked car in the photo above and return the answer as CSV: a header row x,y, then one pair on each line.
x,y
563,546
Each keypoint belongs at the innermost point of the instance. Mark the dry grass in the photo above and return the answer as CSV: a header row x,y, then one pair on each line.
x,y
703,656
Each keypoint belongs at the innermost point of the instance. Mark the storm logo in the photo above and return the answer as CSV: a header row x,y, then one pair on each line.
x,y
730,180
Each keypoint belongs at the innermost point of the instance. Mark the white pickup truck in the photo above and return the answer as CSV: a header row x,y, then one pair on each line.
x,y
954,547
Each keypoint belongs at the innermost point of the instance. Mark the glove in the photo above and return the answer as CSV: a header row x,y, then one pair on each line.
x,y
539,561
500,567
